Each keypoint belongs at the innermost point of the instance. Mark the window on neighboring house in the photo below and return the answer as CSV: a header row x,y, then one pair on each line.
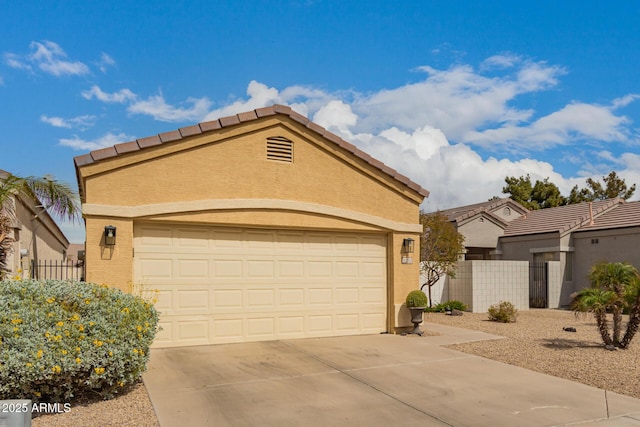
x,y
280,149
568,267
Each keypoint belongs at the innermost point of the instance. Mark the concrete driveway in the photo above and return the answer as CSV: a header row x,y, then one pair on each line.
x,y
371,380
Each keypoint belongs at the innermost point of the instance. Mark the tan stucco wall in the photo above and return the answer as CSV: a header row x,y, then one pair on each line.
x,y
50,242
224,178
106,265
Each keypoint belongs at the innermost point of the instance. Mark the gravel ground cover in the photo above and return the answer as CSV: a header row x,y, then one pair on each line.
x,y
536,341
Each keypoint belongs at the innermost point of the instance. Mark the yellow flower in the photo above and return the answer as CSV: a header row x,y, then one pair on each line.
x,y
135,350
139,328
16,321
77,349
39,354
99,371
78,360
51,300
80,328
97,343
121,383
37,393
63,351
125,310
87,301
75,317
111,353
29,364
56,369
60,324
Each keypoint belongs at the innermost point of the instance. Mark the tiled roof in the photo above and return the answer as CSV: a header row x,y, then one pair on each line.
x,y
561,219
176,135
461,213
624,215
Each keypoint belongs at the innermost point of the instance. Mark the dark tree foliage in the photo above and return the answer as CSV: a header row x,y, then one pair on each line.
x,y
545,194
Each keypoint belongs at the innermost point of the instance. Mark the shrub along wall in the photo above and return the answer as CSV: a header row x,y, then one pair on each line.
x,y
63,339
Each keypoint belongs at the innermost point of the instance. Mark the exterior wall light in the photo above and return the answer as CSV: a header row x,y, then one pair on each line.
x,y
109,235
407,245
407,250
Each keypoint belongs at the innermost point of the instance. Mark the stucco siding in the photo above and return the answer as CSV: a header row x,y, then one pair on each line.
x,y
480,232
618,245
238,169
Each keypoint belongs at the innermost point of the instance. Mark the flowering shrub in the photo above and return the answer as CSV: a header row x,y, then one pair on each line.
x,y
60,339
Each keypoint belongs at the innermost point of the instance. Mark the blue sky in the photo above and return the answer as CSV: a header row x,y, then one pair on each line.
x,y
455,95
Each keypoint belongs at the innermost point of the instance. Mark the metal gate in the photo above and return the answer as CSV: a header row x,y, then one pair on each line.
x,y
538,285
57,270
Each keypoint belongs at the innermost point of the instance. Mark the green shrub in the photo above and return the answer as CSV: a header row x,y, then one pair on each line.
x,y
504,312
63,339
417,298
451,305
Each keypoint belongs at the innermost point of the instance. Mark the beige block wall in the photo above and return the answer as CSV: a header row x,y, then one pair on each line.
x,y
480,284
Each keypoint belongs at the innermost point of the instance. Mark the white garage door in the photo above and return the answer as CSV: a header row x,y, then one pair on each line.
x,y
221,285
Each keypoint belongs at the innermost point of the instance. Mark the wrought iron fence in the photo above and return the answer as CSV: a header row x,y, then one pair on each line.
x,y
538,288
57,270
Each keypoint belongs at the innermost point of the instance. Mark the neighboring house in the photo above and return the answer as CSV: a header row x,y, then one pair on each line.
x,y
36,236
482,224
574,237
257,226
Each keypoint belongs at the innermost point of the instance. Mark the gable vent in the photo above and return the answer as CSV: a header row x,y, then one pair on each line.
x,y
280,149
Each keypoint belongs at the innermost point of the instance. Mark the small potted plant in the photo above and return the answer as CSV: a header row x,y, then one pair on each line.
x,y
416,302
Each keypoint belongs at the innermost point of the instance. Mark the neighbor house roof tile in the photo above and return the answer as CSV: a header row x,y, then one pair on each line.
x,y
167,137
624,215
461,213
560,219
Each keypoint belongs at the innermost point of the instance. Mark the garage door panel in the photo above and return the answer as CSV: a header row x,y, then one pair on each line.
x,y
320,296
260,268
261,327
216,285
320,324
227,299
288,298
347,323
156,268
192,269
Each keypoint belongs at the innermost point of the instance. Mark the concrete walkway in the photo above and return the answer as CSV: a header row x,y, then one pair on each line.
x,y
369,380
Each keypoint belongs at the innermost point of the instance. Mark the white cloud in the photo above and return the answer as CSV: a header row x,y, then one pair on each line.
x,y
119,97
156,107
81,122
336,116
107,140
574,122
49,57
105,62
429,130
15,61
506,60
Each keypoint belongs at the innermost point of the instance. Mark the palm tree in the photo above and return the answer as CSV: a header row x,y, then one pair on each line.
x,y
56,197
596,301
633,299
614,288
